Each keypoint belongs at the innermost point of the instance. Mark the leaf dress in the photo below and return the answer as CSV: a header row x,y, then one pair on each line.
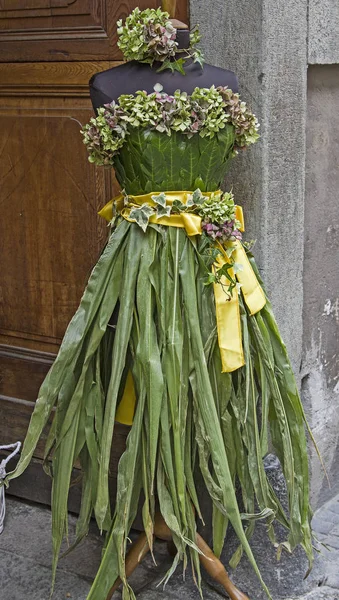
x,y
190,417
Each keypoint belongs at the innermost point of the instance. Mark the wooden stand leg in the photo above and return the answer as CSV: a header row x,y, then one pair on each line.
x,y
134,556
210,562
217,571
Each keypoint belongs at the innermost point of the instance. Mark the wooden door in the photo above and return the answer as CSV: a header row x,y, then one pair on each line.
x,y
50,234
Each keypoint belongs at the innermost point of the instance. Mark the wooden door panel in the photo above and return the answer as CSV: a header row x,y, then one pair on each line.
x,y
44,80
16,416
50,234
50,198
22,371
62,30
37,158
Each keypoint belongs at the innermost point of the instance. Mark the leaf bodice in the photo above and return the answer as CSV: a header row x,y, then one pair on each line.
x,y
154,161
161,142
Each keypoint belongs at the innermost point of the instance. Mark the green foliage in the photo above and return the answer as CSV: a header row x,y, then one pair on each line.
x,y
141,215
135,38
189,415
150,161
218,223
245,122
209,254
219,207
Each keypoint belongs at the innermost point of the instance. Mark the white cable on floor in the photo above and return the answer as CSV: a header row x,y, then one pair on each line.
x,y
16,448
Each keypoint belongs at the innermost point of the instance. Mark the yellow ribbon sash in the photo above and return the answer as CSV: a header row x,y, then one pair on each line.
x,y
227,308
188,221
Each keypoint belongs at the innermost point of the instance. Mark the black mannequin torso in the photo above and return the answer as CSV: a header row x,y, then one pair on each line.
x,y
132,76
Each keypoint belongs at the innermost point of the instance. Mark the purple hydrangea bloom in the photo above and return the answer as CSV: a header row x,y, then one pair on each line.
x,y
222,232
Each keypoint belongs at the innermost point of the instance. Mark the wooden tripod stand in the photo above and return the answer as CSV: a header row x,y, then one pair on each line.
x,y
210,562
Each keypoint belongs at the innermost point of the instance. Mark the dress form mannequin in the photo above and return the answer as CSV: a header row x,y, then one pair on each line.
x,y
133,76
105,87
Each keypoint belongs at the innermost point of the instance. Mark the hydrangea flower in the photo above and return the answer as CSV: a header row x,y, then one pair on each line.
x,y
223,232
206,112
149,36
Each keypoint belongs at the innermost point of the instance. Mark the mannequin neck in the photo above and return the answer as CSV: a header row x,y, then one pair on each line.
x,y
183,38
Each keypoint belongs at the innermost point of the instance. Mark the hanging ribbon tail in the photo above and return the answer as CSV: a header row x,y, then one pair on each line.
x,y
127,404
228,325
251,289
228,309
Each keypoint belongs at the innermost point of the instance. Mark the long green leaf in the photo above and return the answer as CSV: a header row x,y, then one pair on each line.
x,y
148,349
72,344
129,479
206,404
121,340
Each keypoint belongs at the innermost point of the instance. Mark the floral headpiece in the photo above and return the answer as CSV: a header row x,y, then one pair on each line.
x,y
149,36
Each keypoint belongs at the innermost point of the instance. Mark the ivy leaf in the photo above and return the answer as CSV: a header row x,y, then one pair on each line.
x,y
198,58
190,202
197,197
167,64
211,278
141,215
175,65
215,253
223,271
179,66
163,211
160,199
178,206
210,255
229,250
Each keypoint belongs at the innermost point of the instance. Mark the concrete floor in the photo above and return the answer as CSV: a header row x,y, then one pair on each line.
x,y
25,562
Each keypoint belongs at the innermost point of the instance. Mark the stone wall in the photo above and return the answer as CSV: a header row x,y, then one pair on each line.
x,y
320,367
270,45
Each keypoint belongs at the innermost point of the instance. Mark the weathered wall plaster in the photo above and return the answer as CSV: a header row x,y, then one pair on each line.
x,y
320,367
265,43
323,32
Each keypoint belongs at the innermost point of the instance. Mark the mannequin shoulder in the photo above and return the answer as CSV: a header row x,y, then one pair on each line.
x,y
129,77
107,85
126,78
102,77
217,76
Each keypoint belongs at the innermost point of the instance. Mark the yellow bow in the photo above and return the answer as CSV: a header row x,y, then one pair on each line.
x,y
227,308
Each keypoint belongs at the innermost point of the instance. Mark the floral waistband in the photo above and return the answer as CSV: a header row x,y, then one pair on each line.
x,y
214,212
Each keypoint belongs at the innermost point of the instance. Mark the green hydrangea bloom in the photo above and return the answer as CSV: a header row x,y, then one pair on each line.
x,y
206,112
218,208
142,35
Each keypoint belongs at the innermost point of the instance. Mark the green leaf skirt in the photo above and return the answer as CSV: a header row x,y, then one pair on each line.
x,y
189,416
